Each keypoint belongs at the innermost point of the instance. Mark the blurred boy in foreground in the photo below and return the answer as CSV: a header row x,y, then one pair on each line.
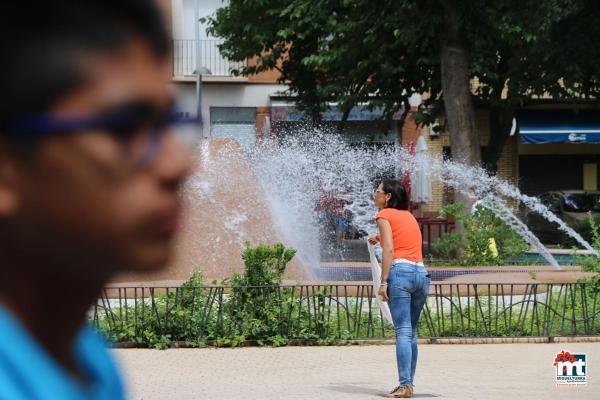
x,y
89,180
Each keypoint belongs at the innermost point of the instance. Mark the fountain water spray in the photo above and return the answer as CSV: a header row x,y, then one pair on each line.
x,y
295,171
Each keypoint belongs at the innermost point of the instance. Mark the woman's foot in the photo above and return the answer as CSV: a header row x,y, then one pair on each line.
x,y
402,392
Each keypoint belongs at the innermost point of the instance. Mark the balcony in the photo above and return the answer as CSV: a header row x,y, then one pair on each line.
x,y
184,60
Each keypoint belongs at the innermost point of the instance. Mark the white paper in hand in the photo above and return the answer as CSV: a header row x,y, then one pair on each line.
x,y
376,273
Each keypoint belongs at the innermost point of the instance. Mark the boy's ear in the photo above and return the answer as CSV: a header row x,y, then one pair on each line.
x,y
8,180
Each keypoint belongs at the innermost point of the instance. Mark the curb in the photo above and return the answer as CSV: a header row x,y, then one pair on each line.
x,y
379,342
513,340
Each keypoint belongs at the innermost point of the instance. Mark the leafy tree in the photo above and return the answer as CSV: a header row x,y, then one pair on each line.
x,y
382,52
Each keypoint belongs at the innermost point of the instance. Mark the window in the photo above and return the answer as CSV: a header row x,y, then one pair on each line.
x,y
237,123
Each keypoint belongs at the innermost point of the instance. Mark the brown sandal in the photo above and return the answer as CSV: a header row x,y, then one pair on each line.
x,y
402,392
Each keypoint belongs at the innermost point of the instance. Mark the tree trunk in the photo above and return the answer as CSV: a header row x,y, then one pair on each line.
x,y
458,102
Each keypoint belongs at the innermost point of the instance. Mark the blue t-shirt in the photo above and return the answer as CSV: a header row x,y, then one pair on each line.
x,y
27,371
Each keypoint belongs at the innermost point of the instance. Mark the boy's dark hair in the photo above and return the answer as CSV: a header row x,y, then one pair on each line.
x,y
399,199
44,45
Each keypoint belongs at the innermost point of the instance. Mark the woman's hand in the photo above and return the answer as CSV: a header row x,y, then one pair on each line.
x,y
383,292
374,239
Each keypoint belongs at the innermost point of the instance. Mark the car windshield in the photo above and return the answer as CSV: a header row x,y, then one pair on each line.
x,y
582,202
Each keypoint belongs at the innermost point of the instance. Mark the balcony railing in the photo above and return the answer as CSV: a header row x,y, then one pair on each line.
x,y
184,58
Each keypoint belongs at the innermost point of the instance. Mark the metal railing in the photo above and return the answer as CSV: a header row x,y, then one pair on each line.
x,y
432,229
184,58
341,312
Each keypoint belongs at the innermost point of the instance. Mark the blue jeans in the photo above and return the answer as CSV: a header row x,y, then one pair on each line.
x,y
340,224
408,286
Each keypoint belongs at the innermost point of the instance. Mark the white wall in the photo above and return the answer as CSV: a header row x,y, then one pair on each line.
x,y
183,16
224,95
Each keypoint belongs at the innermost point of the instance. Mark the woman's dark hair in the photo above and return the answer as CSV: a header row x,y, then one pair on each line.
x,y
399,199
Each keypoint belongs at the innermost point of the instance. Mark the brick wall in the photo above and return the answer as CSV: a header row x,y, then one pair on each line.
x,y
270,76
410,131
435,146
508,168
261,116
507,165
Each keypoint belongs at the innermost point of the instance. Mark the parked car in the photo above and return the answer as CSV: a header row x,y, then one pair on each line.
x,y
572,206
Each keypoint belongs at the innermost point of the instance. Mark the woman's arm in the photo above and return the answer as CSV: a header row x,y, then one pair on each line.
x,y
387,244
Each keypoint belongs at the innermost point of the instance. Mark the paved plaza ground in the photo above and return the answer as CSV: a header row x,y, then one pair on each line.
x,y
483,371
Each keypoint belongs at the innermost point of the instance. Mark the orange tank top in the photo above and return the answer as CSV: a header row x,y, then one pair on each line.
x,y
405,233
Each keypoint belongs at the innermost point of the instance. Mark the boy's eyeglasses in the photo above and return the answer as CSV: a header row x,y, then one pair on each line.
x,y
139,126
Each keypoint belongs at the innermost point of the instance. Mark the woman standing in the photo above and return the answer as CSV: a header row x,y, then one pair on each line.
x,y
404,280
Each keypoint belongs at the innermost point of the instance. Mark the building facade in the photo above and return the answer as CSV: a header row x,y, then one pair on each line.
x,y
244,108
248,108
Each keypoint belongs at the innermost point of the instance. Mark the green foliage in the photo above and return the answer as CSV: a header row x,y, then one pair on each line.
x,y
192,291
264,265
473,247
448,247
591,263
487,316
177,315
380,53
328,50
584,228
252,311
257,301
274,315
317,318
